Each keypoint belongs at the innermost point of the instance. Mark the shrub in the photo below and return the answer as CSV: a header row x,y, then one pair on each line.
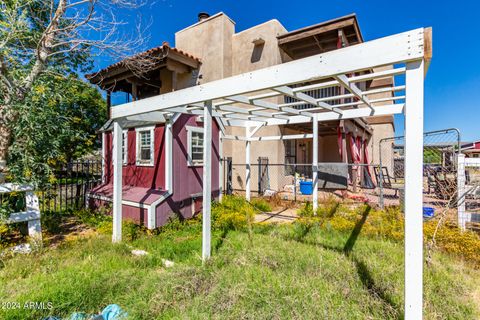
x,y
93,218
51,221
261,204
326,208
133,230
233,213
306,210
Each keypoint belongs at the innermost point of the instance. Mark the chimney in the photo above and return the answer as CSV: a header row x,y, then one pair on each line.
x,y
202,16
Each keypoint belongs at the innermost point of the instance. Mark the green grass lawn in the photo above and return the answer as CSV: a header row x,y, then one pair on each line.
x,y
275,272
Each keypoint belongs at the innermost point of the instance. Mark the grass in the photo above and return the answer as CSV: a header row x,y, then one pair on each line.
x,y
293,271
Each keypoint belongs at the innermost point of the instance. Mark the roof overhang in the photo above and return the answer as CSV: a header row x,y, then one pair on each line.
x,y
143,63
245,100
321,37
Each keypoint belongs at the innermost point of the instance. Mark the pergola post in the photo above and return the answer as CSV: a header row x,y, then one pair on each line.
x,y
414,190
247,164
462,216
207,180
117,181
315,164
220,166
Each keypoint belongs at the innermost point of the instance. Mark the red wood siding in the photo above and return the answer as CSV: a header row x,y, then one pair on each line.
x,y
140,176
187,181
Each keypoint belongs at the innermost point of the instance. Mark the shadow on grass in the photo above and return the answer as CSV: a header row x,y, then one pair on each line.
x,y
221,241
362,270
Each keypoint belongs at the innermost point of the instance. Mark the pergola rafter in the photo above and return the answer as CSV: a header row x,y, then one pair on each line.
x,y
242,101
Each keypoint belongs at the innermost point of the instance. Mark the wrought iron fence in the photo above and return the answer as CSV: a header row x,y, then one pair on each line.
x,y
68,192
73,181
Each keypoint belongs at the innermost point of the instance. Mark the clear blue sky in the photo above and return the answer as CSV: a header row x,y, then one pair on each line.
x,y
454,75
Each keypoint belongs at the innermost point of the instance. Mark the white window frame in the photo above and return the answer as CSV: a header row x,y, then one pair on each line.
x,y
152,144
125,148
190,130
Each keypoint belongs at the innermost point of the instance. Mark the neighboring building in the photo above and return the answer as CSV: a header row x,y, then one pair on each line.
x,y
210,50
471,149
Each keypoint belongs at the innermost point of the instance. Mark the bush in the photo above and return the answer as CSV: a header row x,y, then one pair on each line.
x,y
326,208
98,219
261,204
233,213
133,230
306,210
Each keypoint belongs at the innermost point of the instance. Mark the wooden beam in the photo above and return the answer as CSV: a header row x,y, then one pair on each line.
x,y
320,29
427,47
394,49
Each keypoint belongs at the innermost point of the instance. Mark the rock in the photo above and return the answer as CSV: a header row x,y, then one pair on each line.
x,y
138,253
22,248
168,263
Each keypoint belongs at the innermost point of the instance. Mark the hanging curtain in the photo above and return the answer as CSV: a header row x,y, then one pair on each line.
x,y
339,140
367,176
355,154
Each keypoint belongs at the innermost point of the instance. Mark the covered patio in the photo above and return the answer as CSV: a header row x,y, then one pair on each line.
x,y
245,101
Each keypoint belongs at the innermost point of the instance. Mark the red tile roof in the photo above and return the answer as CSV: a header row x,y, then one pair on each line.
x,y
151,52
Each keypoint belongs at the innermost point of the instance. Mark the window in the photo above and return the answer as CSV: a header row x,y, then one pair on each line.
x,y
145,137
195,146
125,146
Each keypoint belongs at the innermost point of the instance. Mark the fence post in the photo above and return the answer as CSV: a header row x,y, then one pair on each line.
x,y
295,182
462,215
247,164
259,160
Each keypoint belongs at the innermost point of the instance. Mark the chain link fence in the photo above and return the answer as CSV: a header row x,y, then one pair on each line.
x,y
439,172
381,183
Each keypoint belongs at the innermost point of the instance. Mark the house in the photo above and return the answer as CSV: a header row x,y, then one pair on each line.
x,y
225,52
162,170
471,149
162,158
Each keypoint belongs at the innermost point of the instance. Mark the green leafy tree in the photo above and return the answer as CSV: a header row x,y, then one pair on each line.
x,y
56,123
41,40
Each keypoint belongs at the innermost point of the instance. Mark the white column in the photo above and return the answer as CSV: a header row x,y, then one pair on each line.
x,y
168,156
117,182
462,216
414,191
104,141
247,164
34,225
207,180
220,166
315,164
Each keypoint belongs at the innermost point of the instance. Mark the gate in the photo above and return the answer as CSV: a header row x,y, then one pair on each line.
x,y
228,175
263,177
440,150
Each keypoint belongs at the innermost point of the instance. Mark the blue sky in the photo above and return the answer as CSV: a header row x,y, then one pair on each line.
x,y
454,74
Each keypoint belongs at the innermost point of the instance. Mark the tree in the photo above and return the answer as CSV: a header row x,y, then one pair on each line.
x,y
51,38
57,122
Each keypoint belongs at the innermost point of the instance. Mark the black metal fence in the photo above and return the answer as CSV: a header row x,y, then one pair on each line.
x,y
73,181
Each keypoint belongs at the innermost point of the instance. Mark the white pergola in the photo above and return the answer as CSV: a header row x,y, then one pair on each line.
x,y
246,100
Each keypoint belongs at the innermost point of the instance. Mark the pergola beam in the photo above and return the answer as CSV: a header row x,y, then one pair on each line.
x,y
352,87
306,98
403,47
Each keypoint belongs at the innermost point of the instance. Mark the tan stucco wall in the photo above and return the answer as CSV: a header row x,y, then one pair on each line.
x,y
225,53
211,41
